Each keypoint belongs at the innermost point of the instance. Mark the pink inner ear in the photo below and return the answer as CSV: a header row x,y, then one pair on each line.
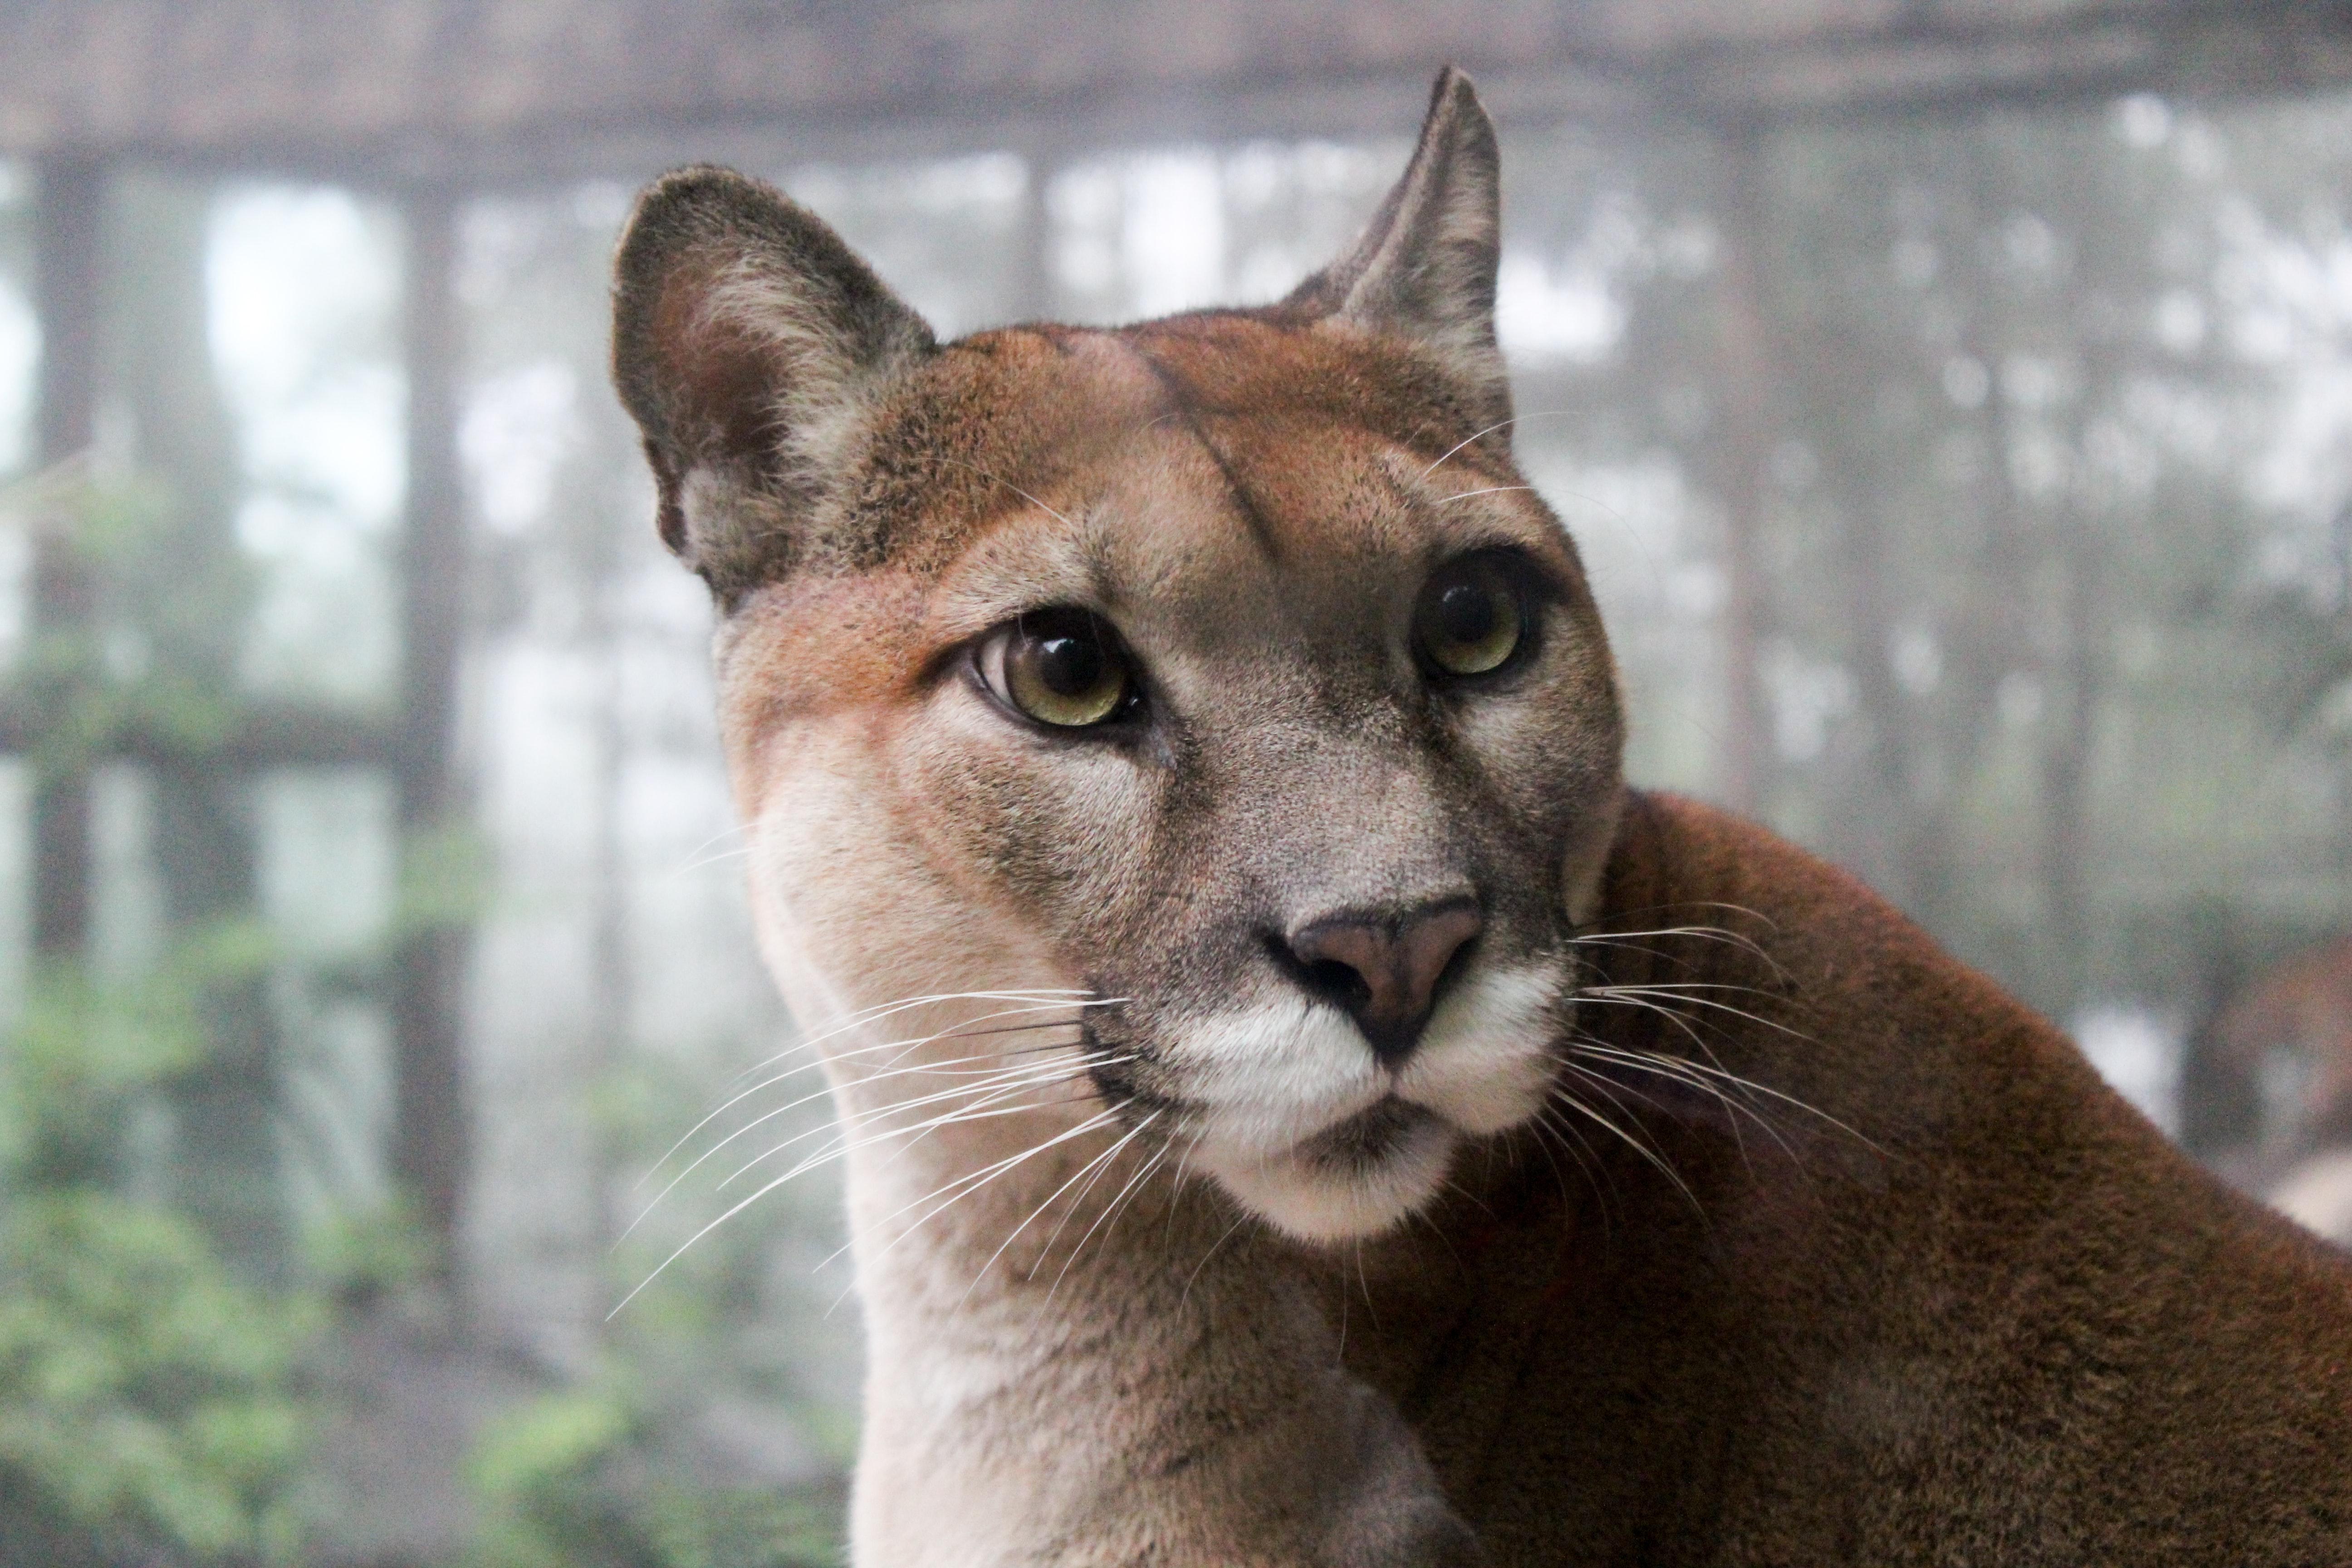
x,y
718,384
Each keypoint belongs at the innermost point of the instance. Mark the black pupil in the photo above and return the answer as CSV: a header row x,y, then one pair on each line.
x,y
1466,613
1069,665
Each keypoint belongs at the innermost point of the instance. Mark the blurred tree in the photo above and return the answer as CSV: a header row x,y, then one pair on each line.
x,y
179,603
431,1131
1991,529
67,268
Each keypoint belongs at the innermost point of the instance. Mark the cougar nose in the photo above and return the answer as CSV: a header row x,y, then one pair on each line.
x,y
1383,971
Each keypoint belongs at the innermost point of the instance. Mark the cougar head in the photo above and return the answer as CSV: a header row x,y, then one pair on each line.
x,y
1222,670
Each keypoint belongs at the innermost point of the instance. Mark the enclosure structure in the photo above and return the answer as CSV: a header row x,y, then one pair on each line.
x,y
432,103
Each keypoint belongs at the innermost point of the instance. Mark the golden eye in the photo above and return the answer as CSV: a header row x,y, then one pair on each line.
x,y
1471,617
1060,667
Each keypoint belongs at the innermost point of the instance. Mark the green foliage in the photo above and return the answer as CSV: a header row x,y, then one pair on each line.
x,y
86,689
142,1393
360,1257
617,1471
576,1480
148,1400
711,1305
444,880
742,1527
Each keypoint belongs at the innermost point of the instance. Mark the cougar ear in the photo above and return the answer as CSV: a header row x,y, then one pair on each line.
x,y
749,345
1425,267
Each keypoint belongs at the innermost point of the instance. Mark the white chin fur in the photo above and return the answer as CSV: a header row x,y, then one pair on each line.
x,y
1319,1202
1273,1078
1270,1076
1485,1062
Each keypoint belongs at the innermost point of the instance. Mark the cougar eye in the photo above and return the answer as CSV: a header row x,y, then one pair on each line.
x,y
1060,667
1471,617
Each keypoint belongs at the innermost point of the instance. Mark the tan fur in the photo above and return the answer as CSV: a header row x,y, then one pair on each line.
x,y
1715,1216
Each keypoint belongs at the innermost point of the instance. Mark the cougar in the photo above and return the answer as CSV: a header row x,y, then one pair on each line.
x,y
1299,1104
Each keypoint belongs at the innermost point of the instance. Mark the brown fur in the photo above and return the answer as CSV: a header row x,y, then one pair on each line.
x,y
2020,1329
1715,1216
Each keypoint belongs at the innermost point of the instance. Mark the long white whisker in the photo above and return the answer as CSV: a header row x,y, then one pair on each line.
x,y
1664,1066
771,1187
702,862
1676,1019
1076,999
1647,995
1101,1164
1099,1160
952,1066
1703,934
1635,941
1680,987
1489,430
947,1068
1537,1129
738,1099
981,1094
1119,1200
881,1010
1573,1103
1177,1185
1009,485
973,1181
1489,490
724,834
916,1134
1186,1294
1655,1062
1767,921
1564,1130
986,1103
809,1045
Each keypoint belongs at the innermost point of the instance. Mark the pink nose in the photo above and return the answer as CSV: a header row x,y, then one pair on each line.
x,y
1385,970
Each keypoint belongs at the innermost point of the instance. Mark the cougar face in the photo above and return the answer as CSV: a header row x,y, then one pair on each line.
x,y
1221,671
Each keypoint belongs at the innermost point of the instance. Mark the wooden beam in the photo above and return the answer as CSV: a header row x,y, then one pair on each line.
x,y
265,736
498,91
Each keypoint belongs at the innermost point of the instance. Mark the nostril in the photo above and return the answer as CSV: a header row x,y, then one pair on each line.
x,y
1324,978
1336,983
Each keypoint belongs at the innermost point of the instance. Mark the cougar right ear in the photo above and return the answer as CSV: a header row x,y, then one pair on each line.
x,y
749,343
1425,269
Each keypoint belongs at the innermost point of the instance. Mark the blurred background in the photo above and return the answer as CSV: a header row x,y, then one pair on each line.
x,y
1953,400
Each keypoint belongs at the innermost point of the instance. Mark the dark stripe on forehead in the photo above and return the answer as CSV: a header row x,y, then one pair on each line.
x,y
1240,363
1183,407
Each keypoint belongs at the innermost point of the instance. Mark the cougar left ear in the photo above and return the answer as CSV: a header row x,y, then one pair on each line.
x,y
1425,267
751,346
